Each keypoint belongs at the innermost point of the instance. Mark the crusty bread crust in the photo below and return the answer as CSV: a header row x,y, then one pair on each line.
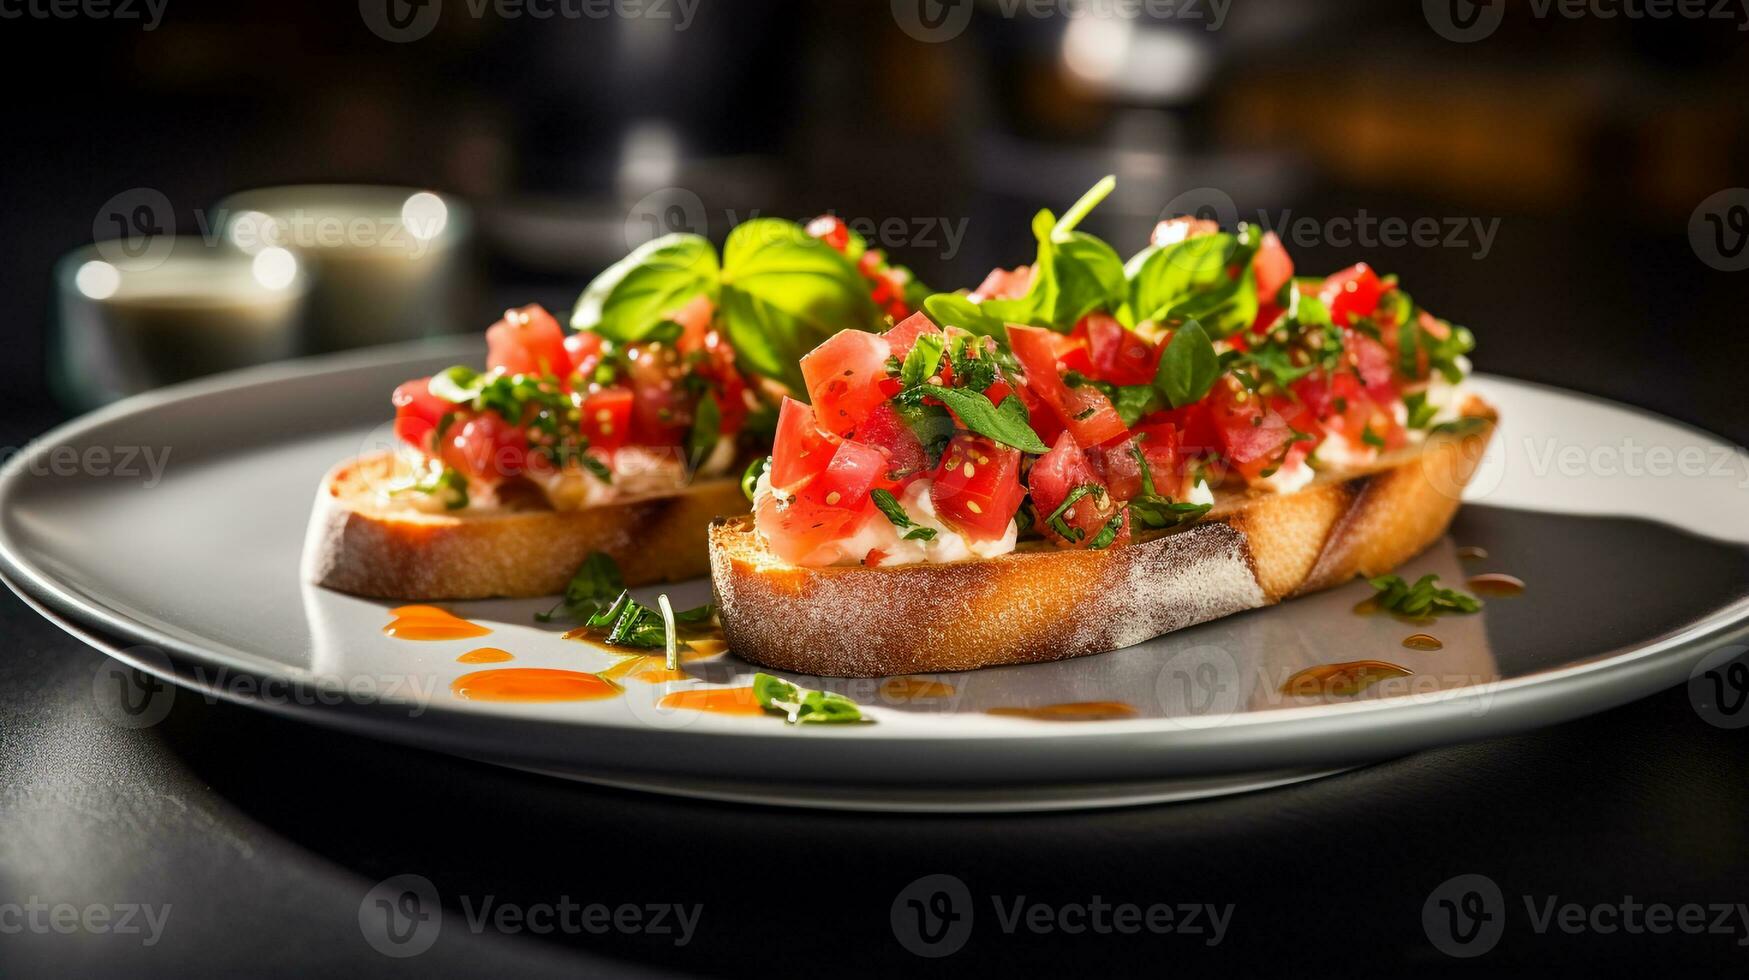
x,y
354,546
1041,603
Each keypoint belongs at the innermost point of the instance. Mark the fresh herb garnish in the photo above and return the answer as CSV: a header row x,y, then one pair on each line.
x,y
1107,534
1421,414
800,706
954,310
922,360
596,581
1424,598
1156,513
447,484
1191,280
1006,423
1371,438
1073,274
895,512
1055,520
780,293
1188,367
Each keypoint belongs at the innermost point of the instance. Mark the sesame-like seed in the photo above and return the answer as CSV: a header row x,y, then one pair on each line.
x,y
833,498
972,505
607,428
970,472
604,415
983,461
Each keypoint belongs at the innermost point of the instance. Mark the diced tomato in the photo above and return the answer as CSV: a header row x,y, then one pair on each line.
x,y
977,486
1197,433
1055,476
904,336
1256,432
606,417
887,432
1374,363
486,448
528,341
1118,355
1004,284
695,323
844,377
584,349
1353,292
1084,411
1273,266
800,451
855,470
1121,470
716,362
662,410
796,528
830,229
417,412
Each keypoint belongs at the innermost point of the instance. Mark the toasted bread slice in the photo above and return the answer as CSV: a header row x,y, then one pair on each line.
x,y
1041,603
354,545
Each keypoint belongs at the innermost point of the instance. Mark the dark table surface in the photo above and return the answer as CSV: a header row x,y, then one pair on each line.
x,y
256,842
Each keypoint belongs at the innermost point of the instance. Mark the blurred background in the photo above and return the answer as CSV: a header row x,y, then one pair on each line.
x,y
1563,184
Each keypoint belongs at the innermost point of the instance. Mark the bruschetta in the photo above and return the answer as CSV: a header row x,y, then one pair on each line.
x,y
1085,453
624,436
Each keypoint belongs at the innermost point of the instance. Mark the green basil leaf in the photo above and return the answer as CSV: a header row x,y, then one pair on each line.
x,y
1157,513
459,385
750,478
596,581
1007,423
1189,367
922,360
1163,276
1073,275
954,310
642,291
784,292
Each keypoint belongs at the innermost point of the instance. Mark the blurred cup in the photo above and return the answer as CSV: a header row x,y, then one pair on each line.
x,y
196,309
385,263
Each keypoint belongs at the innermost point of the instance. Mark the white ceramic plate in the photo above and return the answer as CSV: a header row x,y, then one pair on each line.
x,y
1629,530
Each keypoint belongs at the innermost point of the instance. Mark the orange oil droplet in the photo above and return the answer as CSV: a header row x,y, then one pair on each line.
x,y
1497,585
650,670
1072,711
531,684
485,655
914,689
719,700
1423,641
1341,680
430,623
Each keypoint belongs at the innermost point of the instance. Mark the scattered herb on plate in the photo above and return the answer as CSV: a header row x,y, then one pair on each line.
x,y
1424,598
800,706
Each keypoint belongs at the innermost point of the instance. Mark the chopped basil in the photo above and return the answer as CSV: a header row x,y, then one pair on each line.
x,y
448,484
1371,438
1424,598
1006,423
596,581
1421,414
1107,534
895,512
923,360
1055,520
804,707
1158,513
